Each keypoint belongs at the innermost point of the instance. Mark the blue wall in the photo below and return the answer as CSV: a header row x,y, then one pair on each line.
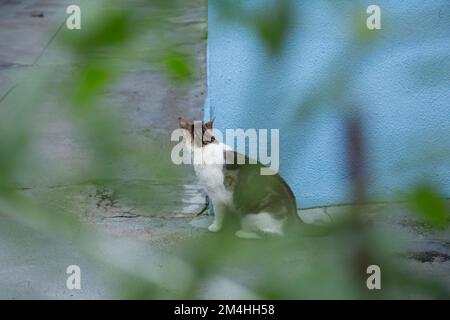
x,y
401,84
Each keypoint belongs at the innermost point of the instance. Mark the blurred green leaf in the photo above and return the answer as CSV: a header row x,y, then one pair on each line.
x,y
178,66
102,28
273,26
93,78
430,205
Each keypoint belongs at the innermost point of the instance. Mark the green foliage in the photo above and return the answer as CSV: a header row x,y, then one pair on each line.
x,y
93,79
270,25
430,205
179,66
273,26
106,28
310,262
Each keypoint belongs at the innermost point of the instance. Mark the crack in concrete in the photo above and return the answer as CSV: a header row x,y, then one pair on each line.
x,y
128,216
7,93
48,43
429,256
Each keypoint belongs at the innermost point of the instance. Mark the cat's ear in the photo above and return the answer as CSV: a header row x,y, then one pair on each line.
x,y
183,123
209,124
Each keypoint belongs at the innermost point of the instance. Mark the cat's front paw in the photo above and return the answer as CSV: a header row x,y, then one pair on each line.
x,y
214,227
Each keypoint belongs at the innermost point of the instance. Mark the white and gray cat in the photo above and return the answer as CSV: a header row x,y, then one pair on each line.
x,y
263,203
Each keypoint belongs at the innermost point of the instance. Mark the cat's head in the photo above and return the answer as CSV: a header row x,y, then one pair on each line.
x,y
198,133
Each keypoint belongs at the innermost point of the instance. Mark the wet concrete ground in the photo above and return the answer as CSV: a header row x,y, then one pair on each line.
x,y
33,265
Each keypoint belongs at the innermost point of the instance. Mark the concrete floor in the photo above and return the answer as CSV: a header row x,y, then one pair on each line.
x,y
33,265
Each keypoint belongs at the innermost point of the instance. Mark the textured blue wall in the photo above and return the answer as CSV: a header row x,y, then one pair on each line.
x,y
402,85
